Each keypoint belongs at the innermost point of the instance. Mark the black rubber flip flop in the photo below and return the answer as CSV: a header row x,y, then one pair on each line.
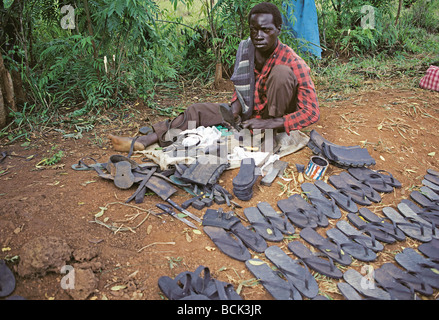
x,y
423,200
371,178
410,280
326,246
388,226
357,194
430,249
272,282
7,280
365,286
298,275
325,205
380,231
363,237
348,291
341,198
420,266
369,192
174,289
250,238
396,289
262,226
318,262
357,250
432,176
411,215
411,228
278,220
298,215
226,243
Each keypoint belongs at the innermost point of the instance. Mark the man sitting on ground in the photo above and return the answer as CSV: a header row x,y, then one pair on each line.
x,y
273,88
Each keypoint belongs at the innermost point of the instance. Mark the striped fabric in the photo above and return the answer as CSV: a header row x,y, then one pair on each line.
x,y
431,80
243,77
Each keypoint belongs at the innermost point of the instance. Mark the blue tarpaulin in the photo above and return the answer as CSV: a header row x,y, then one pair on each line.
x,y
301,20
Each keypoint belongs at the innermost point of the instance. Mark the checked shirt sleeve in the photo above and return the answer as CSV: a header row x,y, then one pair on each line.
x,y
307,111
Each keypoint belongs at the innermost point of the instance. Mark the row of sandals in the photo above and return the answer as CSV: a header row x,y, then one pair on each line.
x,y
361,240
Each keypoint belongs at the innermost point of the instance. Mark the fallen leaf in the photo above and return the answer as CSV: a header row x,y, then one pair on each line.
x,y
432,154
197,231
119,287
256,262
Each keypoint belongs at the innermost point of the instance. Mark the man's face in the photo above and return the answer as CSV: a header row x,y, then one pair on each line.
x,y
263,32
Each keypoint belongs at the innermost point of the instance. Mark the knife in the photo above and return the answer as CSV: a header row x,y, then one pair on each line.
x,y
179,208
171,212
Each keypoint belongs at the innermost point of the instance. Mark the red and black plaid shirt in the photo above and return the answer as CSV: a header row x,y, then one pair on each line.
x,y
307,111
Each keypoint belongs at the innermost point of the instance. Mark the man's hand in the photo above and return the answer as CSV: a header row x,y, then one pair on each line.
x,y
273,123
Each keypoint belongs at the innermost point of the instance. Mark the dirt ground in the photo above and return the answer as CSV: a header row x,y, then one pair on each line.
x,y
398,125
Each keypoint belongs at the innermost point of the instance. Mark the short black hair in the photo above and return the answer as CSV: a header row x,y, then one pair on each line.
x,y
270,8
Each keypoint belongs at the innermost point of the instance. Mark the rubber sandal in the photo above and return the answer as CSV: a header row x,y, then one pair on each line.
x,y
397,290
410,215
7,280
323,265
272,282
356,193
388,225
174,289
219,218
379,230
355,249
226,243
360,283
262,226
205,286
434,178
424,268
430,194
298,275
279,221
431,185
341,198
371,178
423,200
327,247
430,249
325,205
363,237
250,238
410,280
348,291
369,192
411,228
301,213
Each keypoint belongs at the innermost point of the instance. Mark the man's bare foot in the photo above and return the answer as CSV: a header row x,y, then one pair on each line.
x,y
124,143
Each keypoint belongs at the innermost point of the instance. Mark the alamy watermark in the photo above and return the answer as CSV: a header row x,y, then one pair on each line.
x,y
68,281
68,21
368,19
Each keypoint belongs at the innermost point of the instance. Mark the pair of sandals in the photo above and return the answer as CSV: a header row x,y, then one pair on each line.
x,y
271,225
385,283
231,236
289,281
431,180
195,286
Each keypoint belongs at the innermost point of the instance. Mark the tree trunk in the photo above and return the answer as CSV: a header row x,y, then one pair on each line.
x,y
399,12
3,111
7,89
